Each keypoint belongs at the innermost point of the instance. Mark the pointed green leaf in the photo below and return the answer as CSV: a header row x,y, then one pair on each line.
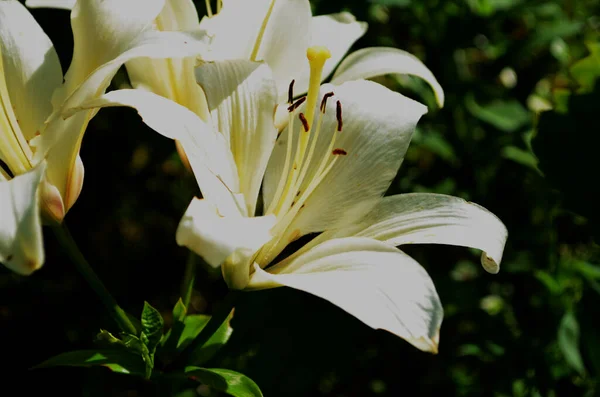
x,y
568,341
179,311
152,327
507,116
204,353
116,360
225,380
184,332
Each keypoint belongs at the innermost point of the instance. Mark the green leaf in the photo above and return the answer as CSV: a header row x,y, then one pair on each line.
x,y
489,7
225,380
520,156
152,327
568,341
152,332
507,116
179,311
119,361
587,70
435,143
183,333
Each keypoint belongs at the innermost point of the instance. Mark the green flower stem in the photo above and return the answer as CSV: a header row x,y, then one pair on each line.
x,y
189,278
70,246
218,317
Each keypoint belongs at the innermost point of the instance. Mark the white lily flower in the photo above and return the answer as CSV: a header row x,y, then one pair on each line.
x,y
327,172
39,140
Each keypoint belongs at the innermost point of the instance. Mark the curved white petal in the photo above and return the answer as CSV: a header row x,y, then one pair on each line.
x,y
63,137
286,38
172,78
377,127
149,44
337,32
377,61
207,151
21,242
426,218
178,15
216,238
376,283
30,66
235,29
102,30
268,30
62,4
241,97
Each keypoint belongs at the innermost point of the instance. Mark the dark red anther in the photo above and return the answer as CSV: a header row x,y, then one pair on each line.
x,y
296,104
324,101
291,92
304,122
339,152
338,114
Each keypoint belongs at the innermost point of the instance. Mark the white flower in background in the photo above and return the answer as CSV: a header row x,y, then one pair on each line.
x,y
326,172
39,142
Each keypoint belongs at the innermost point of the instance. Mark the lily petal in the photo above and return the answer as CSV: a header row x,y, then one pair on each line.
x,y
21,242
172,78
241,97
376,283
337,32
377,127
178,15
235,29
63,137
102,30
62,4
376,61
216,238
206,149
31,68
426,218
287,34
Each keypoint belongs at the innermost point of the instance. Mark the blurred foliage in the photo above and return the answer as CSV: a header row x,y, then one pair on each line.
x,y
517,135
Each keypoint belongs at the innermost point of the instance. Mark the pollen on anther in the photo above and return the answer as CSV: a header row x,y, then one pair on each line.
x,y
304,122
291,92
324,101
338,115
339,152
296,104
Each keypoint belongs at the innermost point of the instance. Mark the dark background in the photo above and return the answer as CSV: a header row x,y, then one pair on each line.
x,y
528,331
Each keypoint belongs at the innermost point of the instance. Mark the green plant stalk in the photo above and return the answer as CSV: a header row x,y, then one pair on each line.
x,y
189,277
218,317
70,247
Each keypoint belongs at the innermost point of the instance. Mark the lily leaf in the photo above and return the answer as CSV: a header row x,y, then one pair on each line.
x,y
225,380
507,116
568,341
184,332
152,331
120,361
152,327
